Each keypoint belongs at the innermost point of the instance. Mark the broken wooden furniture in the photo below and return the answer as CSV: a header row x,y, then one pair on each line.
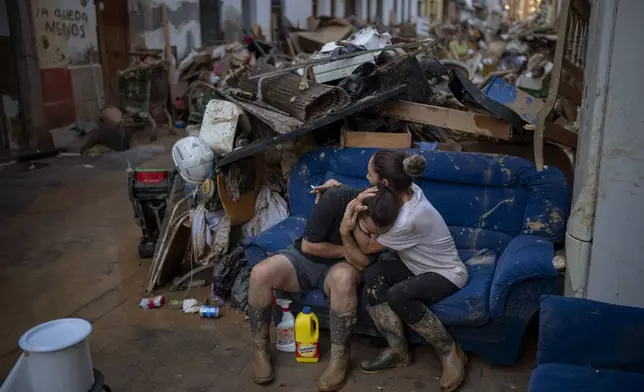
x,y
588,346
570,58
495,202
458,120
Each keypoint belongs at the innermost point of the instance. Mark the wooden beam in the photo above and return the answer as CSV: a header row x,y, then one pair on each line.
x,y
376,140
458,120
568,91
559,134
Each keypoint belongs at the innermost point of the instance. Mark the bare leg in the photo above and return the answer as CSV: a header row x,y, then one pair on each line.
x,y
341,286
276,272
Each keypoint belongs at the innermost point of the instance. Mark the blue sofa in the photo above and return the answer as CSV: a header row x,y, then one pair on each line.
x,y
588,346
489,201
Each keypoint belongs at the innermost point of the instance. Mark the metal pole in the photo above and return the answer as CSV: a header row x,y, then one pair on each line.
x,y
428,43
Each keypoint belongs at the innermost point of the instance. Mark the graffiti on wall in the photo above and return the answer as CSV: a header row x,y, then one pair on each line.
x,y
65,32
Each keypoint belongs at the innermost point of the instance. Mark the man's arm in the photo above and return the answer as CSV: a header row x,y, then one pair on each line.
x,y
318,227
367,244
352,252
323,249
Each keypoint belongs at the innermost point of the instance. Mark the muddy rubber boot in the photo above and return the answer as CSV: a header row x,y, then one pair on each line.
x,y
260,320
453,359
392,328
453,372
335,374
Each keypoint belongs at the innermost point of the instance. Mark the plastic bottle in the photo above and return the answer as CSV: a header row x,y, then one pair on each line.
x,y
286,328
307,334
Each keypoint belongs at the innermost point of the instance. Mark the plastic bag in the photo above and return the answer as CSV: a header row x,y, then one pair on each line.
x,y
239,295
226,271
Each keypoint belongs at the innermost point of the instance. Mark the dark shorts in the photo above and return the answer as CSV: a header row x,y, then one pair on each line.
x,y
310,275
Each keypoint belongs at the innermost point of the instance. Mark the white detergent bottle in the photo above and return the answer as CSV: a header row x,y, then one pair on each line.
x,y
286,328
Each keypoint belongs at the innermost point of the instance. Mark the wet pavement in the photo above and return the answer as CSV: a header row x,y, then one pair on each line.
x,y
69,249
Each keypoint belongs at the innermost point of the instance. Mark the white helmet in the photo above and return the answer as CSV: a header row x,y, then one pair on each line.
x,y
194,159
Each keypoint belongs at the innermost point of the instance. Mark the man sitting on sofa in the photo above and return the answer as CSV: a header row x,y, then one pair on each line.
x,y
326,257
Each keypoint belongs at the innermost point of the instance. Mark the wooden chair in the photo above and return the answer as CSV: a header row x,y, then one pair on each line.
x,y
570,56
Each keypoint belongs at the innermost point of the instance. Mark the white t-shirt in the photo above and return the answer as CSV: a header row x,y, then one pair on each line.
x,y
423,241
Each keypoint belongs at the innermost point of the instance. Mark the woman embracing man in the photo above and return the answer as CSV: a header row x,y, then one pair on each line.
x,y
428,268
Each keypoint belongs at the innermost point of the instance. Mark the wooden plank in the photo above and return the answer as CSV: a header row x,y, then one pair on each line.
x,y
559,134
376,140
242,210
458,120
568,91
573,70
582,7
172,89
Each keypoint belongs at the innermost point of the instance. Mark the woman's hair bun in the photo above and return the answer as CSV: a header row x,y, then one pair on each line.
x,y
414,165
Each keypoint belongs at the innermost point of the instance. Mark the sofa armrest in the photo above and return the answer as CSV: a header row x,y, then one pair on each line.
x,y
525,257
270,241
590,333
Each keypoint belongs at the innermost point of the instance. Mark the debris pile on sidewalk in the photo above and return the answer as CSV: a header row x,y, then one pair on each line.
x,y
469,88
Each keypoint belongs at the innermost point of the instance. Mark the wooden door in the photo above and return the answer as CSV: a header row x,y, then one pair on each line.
x,y
114,43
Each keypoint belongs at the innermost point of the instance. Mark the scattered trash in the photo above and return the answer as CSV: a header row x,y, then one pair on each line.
x,y
191,306
210,311
154,302
559,260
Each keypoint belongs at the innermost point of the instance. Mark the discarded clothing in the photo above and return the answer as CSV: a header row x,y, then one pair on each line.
x,y
270,209
205,225
239,294
226,272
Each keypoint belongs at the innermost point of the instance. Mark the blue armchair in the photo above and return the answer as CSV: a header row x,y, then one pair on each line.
x,y
588,346
494,202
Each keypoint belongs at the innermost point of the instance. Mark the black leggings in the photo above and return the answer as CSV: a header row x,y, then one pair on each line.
x,y
389,280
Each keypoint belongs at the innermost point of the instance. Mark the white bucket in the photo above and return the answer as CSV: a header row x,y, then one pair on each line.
x,y
57,356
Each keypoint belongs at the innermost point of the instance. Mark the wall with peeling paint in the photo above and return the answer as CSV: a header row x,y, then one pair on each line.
x,y
616,268
65,32
66,39
146,24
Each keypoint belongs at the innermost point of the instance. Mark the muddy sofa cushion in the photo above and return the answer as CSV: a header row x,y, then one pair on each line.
x,y
555,377
469,307
485,192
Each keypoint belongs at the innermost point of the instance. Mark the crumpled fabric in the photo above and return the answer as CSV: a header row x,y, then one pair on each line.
x,y
270,209
239,294
226,271
210,228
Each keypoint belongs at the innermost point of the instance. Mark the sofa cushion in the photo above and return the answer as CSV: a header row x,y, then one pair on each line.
x,y
526,257
470,305
278,237
491,192
553,377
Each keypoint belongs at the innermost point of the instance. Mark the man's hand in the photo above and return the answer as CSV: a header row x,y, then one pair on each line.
x,y
319,190
354,208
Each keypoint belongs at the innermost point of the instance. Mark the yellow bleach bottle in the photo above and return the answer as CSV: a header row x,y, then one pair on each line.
x,y
307,333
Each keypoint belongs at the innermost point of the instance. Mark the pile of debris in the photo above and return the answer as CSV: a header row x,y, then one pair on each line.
x,y
358,88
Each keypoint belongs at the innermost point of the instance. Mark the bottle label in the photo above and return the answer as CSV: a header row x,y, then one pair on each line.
x,y
306,350
285,336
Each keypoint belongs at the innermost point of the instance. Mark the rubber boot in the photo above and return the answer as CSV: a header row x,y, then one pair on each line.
x,y
260,320
392,328
453,359
335,374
